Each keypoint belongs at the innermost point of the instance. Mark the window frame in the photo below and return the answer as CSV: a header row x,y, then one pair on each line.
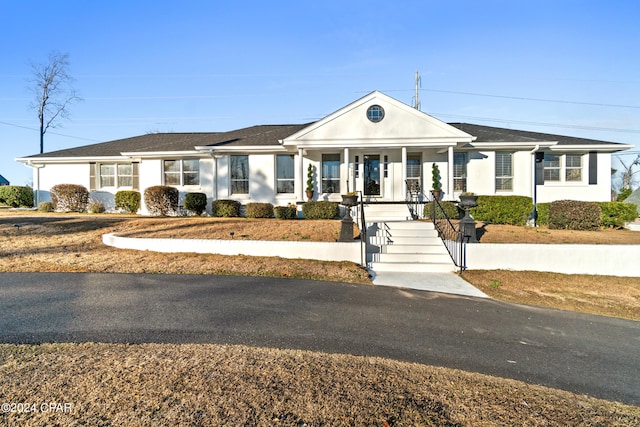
x,y
328,182
414,182
287,180
233,179
182,172
573,168
501,177
460,180
563,169
116,176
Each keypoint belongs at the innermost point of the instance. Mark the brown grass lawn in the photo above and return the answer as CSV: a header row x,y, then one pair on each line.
x,y
153,384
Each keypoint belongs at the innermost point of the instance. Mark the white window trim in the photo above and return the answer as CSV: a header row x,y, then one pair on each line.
x,y
293,180
497,190
115,176
563,171
181,174
231,180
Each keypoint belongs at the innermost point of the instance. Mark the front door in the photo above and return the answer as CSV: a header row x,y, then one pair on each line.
x,y
372,182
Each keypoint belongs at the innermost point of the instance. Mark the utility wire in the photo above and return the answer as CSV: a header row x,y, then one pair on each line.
x,y
52,133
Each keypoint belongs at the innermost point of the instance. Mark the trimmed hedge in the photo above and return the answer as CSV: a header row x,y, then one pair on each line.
x,y
321,210
574,215
16,196
449,208
95,207
69,197
616,214
259,210
195,202
225,208
286,212
128,200
513,210
161,200
543,213
45,207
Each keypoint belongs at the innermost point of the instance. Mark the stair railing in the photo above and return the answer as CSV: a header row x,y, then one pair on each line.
x,y
450,234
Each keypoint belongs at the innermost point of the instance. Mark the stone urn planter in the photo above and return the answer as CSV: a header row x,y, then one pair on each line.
x,y
468,201
349,200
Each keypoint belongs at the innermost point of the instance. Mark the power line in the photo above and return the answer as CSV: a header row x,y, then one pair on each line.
x,y
52,133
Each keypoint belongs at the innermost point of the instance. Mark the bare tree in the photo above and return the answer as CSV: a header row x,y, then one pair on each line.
x,y
628,172
53,90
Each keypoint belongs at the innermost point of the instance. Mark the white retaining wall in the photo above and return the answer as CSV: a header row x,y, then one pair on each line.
x,y
608,260
324,251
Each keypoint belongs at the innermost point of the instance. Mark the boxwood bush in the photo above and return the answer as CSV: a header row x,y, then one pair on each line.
x,y
69,197
128,200
449,208
574,215
513,210
195,202
616,214
225,208
45,207
16,196
543,213
161,200
95,207
259,210
286,212
321,210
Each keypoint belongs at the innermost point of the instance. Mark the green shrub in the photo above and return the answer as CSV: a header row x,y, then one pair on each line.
x,y
195,202
45,207
623,194
543,213
286,212
95,207
259,210
128,200
225,208
69,197
320,210
513,210
616,214
16,196
449,208
574,215
161,200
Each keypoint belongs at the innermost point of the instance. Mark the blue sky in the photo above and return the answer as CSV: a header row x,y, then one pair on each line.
x,y
149,66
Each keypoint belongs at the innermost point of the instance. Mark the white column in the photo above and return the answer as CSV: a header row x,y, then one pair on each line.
x,y
348,180
450,174
403,168
300,179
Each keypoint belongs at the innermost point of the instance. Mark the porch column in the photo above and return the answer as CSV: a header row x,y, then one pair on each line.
x,y
403,169
450,173
300,176
346,163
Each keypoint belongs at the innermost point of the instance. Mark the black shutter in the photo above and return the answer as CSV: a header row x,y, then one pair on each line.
x,y
593,168
539,168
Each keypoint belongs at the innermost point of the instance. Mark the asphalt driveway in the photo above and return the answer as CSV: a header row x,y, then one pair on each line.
x,y
586,354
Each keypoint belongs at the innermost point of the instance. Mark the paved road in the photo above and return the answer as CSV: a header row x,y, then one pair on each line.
x,y
593,355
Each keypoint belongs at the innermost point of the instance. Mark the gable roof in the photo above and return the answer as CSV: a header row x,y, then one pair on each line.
x,y
3,180
635,199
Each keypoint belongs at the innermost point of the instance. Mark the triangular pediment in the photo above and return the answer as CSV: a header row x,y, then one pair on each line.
x,y
401,125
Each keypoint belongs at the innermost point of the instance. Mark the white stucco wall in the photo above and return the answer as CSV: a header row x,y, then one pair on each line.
x,y
53,174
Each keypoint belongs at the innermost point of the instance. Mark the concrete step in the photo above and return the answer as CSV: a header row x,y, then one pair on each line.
x,y
386,212
403,240
431,248
413,267
428,258
424,233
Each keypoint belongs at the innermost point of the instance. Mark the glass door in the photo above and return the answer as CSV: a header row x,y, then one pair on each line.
x,y
371,175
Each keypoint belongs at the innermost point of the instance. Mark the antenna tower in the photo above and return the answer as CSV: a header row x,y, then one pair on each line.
x,y
416,98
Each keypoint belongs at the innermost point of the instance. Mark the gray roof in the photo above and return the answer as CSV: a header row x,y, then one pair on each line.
x,y
270,135
264,135
495,134
635,199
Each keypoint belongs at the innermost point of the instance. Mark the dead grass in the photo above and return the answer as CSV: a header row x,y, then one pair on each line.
x,y
153,384
495,233
214,385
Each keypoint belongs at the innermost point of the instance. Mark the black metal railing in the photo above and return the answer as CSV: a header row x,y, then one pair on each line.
x,y
362,225
450,234
416,200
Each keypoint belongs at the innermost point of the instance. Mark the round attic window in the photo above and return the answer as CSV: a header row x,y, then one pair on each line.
x,y
375,113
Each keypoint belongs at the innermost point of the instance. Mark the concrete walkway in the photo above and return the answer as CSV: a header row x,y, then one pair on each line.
x,y
449,283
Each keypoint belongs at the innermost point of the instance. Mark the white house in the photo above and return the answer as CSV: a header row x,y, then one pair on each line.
x,y
376,145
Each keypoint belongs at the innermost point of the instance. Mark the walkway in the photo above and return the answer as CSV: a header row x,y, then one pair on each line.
x,y
449,283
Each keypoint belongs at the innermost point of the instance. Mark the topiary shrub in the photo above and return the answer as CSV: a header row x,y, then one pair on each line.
x,y
45,207
574,215
616,214
161,200
16,196
320,210
449,208
286,212
69,198
128,200
513,210
259,210
195,202
225,208
543,213
95,207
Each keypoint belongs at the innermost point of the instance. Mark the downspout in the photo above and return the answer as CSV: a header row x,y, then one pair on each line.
x,y
534,213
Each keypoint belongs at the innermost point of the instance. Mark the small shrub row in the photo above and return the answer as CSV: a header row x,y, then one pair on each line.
x,y
225,208
574,215
449,208
259,210
16,196
161,200
616,214
69,197
286,212
128,200
513,210
321,210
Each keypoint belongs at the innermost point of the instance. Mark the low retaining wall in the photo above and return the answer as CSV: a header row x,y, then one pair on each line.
x,y
607,260
324,251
